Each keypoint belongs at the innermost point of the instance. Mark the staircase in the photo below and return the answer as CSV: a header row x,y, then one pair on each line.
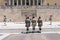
x,y
20,27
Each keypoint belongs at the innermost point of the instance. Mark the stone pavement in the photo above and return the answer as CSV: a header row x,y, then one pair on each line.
x,y
56,30
33,36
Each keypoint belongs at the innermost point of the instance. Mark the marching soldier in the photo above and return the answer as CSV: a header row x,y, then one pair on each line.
x,y
39,23
33,23
27,22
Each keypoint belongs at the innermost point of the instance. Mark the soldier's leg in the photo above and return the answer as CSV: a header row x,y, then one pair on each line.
x,y
33,28
27,28
40,29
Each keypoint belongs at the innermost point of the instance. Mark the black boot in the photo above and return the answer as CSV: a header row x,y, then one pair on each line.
x,y
33,30
39,29
27,30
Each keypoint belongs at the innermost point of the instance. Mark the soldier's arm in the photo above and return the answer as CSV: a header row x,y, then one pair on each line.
x,y
41,22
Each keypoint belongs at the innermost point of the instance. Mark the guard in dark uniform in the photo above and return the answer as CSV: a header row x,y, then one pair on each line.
x,y
39,24
33,23
27,23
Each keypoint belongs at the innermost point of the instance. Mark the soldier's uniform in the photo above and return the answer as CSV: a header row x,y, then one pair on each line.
x,y
33,23
27,22
39,24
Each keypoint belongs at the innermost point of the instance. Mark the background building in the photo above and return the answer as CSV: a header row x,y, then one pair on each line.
x,y
15,10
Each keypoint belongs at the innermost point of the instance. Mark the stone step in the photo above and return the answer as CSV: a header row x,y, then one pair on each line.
x,y
23,30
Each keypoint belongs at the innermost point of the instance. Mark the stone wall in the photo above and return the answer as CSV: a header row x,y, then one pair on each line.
x,y
1,2
15,15
45,14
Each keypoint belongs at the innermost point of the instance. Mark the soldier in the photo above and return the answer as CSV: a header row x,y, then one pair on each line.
x,y
33,23
27,22
50,19
4,20
39,24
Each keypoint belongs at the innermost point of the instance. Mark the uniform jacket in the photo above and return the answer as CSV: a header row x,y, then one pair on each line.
x,y
39,22
27,23
34,22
